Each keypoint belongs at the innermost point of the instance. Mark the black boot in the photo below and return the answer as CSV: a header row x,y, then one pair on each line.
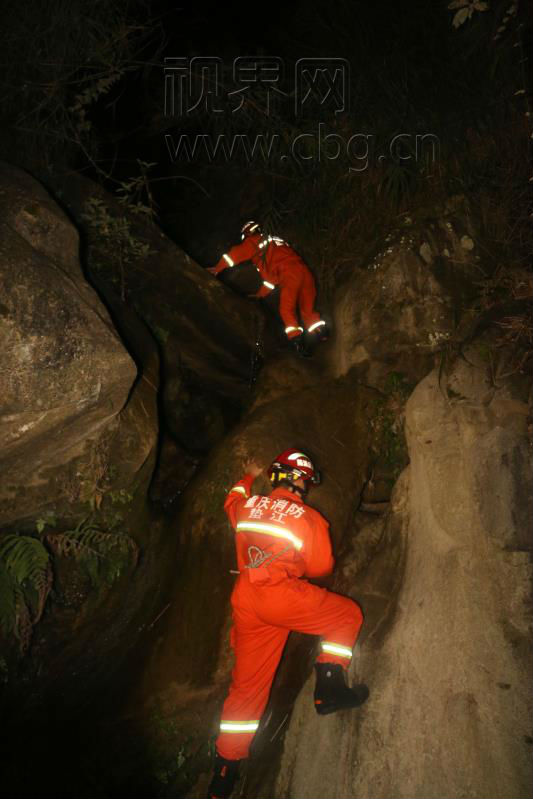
x,y
224,778
299,345
331,691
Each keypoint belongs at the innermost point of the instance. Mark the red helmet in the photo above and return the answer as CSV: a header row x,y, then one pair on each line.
x,y
293,465
249,228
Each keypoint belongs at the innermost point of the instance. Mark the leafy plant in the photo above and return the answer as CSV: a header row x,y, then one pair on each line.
x,y
121,496
26,569
136,194
389,440
398,386
389,443
62,60
103,554
43,521
113,240
464,10
89,96
26,579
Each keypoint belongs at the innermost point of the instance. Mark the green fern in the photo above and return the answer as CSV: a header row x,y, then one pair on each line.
x,y
103,554
8,602
89,538
25,582
25,558
26,575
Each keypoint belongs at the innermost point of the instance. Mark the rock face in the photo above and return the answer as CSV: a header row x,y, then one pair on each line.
x,y
203,328
413,290
442,571
78,427
66,374
450,707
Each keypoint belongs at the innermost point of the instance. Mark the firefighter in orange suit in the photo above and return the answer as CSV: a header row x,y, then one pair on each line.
x,y
279,265
279,540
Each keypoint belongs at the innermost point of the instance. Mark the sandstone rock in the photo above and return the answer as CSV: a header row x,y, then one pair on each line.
x,y
450,706
411,291
79,424
66,374
475,427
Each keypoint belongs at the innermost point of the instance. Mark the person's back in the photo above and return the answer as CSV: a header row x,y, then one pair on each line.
x,y
279,537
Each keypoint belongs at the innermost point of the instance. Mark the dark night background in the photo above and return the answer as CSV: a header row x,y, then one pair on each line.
x,y
82,90
412,72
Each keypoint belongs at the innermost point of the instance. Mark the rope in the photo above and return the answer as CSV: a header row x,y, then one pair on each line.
x,y
256,562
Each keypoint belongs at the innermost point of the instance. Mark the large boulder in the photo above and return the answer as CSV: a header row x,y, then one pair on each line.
x,y
79,425
66,374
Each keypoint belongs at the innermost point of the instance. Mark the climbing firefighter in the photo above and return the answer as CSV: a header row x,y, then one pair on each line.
x,y
279,265
280,539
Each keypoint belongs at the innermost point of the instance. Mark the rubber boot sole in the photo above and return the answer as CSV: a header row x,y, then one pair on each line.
x,y
325,708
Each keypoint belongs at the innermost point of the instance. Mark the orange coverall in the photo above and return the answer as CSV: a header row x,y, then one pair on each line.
x,y
279,265
279,539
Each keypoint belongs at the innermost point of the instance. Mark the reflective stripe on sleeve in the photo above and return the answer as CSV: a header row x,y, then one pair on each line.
x,y
270,529
238,490
228,260
268,285
314,326
336,649
239,726
269,239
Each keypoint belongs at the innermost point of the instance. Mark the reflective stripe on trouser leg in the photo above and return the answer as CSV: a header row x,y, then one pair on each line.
x,y
293,332
290,283
332,648
239,726
338,641
258,648
306,301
